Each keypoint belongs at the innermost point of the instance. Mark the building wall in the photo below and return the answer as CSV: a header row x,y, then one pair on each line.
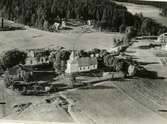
x,y
162,38
31,61
35,61
30,54
87,68
71,68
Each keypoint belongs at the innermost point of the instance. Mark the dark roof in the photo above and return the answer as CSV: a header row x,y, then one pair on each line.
x,y
86,61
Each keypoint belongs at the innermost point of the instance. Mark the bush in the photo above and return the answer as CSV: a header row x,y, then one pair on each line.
x,y
12,57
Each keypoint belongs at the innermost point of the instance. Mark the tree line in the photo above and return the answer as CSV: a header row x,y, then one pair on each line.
x,y
106,14
36,12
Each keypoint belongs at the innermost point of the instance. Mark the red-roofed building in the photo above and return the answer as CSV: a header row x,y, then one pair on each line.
x,y
83,64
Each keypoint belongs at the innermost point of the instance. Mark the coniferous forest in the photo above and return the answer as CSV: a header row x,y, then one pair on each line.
x,y
107,14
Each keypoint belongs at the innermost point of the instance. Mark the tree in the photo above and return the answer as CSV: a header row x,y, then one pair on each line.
x,y
146,26
60,58
12,57
2,13
114,63
57,62
122,28
45,25
130,33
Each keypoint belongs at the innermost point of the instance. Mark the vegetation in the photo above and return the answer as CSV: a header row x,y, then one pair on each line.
x,y
106,14
11,58
42,13
59,60
164,11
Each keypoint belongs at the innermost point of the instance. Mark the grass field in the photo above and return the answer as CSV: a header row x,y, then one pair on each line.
x,y
131,101
32,38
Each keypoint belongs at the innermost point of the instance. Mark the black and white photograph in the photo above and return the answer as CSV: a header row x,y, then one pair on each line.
x,y
83,61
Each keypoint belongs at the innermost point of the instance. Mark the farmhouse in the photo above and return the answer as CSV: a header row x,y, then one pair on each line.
x,y
162,38
37,56
83,64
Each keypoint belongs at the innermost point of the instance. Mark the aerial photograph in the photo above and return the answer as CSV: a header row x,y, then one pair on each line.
x,y
83,61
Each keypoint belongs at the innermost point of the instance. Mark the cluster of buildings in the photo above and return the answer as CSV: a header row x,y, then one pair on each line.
x,y
39,58
74,64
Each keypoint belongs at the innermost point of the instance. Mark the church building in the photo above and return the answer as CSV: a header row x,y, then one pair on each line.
x,y
82,64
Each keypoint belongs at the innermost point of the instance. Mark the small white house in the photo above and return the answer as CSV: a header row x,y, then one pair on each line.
x,y
63,24
83,64
56,25
162,38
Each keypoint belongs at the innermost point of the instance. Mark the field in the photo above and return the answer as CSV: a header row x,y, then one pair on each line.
x,y
33,38
130,101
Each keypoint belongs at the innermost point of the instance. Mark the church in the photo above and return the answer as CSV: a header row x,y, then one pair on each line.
x,y
82,64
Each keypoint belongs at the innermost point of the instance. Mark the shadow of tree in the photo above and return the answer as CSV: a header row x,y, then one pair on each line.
x,y
162,110
148,63
144,73
98,87
8,28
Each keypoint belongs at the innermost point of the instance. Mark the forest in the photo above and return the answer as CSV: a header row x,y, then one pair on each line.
x,y
106,14
37,12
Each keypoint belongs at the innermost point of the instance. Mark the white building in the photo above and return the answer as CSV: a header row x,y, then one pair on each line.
x,y
162,38
37,56
83,64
